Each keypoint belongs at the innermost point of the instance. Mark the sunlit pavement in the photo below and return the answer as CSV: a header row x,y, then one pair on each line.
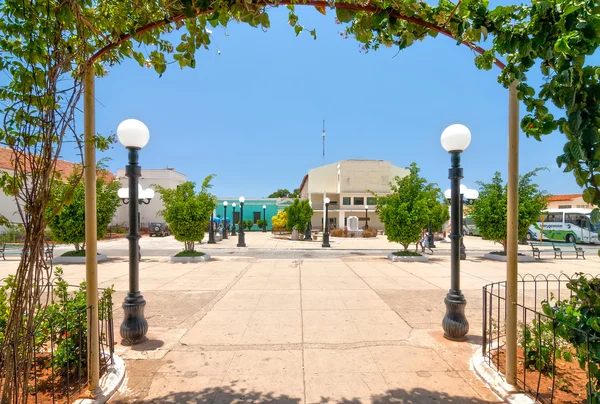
x,y
357,329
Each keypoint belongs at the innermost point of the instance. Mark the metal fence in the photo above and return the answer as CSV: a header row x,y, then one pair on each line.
x,y
542,354
57,371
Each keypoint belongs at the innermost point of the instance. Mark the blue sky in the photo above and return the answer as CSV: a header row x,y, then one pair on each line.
x,y
252,114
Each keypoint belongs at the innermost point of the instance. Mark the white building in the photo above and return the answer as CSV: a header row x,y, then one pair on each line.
x,y
347,184
8,205
166,178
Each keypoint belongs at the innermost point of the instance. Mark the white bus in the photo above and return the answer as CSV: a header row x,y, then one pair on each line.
x,y
570,225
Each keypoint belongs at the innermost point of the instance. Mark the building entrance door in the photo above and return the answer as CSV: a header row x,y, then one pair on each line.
x,y
333,222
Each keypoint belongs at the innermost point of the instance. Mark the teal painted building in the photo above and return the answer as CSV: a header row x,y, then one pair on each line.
x,y
253,209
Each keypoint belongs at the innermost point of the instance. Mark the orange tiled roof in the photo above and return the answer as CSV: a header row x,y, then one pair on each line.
x,y
65,168
569,197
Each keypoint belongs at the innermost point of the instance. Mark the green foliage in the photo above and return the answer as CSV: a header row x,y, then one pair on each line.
x,y
248,224
489,211
186,212
75,253
63,321
68,224
541,346
260,223
577,320
406,211
189,254
285,193
299,214
406,253
12,234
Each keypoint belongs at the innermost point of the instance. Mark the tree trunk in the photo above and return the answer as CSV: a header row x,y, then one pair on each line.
x,y
405,246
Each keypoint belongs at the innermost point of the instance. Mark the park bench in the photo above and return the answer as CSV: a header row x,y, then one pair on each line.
x,y
11,249
557,248
17,249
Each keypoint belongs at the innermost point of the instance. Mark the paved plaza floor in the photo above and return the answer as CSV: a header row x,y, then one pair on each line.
x,y
352,329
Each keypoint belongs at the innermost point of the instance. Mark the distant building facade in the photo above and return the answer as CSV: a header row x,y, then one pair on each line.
x,y
253,209
567,201
347,184
166,178
8,205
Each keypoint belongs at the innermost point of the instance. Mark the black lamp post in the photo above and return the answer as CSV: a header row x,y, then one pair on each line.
x,y
264,218
211,230
307,236
366,217
225,220
326,228
467,197
134,135
241,235
455,139
233,220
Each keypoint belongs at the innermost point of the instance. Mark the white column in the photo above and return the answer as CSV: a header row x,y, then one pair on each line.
x,y
341,217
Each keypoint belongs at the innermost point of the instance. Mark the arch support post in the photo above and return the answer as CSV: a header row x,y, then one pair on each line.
x,y
91,247
512,229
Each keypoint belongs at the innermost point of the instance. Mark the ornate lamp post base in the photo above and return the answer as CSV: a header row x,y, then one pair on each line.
x,y
134,326
455,322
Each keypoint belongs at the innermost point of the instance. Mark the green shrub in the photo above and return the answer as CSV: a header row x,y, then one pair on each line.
x,y
189,254
540,345
573,319
260,223
407,254
74,253
13,234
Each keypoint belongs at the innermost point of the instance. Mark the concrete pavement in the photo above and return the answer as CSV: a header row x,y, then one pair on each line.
x,y
341,330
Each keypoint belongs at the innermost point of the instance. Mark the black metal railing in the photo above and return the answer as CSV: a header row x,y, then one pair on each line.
x,y
544,356
52,361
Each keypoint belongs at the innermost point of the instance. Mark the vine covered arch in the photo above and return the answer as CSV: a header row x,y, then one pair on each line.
x,y
53,49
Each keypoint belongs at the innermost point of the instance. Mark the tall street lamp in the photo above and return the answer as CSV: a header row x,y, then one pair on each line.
x,y
233,220
211,230
366,217
455,139
307,236
241,235
326,229
144,197
134,135
225,203
467,197
264,218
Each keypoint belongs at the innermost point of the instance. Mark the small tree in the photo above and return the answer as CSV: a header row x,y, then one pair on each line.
x,y
186,212
68,224
407,210
279,221
299,214
489,211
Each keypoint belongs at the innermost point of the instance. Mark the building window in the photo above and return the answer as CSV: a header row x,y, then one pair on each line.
x,y
371,200
564,206
359,200
236,217
583,206
257,217
346,201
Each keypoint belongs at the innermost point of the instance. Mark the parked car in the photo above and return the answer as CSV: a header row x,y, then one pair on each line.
x,y
159,229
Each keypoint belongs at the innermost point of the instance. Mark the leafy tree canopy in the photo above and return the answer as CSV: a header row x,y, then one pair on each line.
x,y
489,211
408,209
68,224
285,193
186,212
299,214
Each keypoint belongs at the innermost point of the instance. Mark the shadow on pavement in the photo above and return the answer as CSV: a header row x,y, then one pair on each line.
x,y
225,395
